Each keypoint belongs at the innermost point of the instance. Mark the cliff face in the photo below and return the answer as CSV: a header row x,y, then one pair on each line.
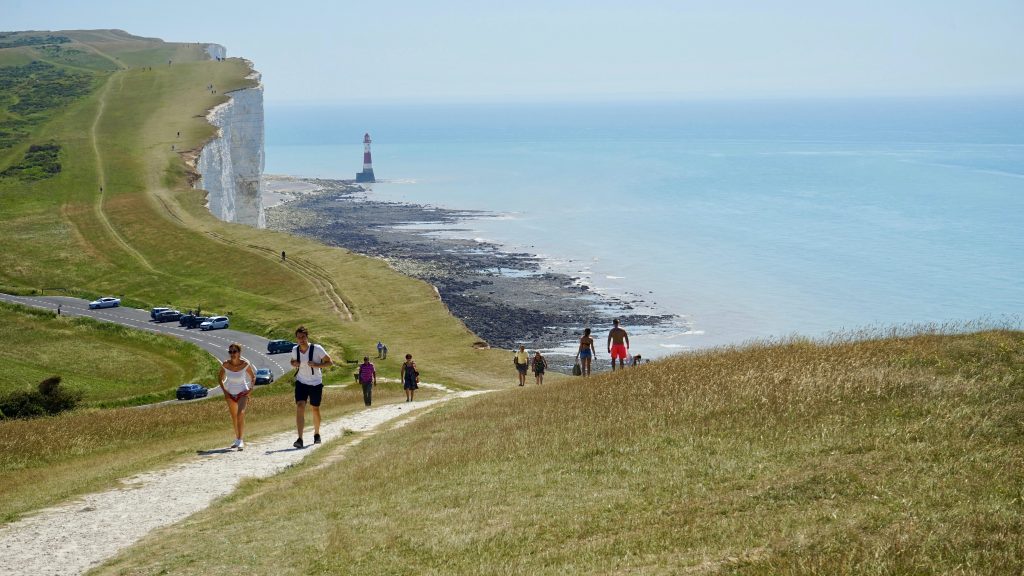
x,y
230,166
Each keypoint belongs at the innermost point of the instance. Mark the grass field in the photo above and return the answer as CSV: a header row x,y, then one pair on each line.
x,y
895,456
48,460
108,363
148,238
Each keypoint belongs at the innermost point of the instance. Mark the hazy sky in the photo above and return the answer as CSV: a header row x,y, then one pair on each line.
x,y
455,50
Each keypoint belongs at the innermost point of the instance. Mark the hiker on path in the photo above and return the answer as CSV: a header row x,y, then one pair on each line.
x,y
236,381
384,351
410,377
618,344
309,360
380,349
586,352
521,360
367,379
540,364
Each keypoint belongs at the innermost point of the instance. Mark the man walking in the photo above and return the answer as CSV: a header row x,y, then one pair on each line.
x,y
309,362
522,361
367,379
618,344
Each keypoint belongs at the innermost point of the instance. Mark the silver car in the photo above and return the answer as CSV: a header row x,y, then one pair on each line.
x,y
105,302
214,323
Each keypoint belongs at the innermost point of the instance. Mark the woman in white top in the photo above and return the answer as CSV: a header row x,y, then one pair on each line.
x,y
236,380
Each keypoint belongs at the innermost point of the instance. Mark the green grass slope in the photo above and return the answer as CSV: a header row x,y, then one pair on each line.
x,y
108,363
893,456
120,217
147,235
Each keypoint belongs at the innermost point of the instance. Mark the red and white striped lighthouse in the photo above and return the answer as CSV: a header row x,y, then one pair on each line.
x,y
367,174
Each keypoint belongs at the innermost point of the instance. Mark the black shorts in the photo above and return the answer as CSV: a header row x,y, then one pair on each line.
x,y
304,392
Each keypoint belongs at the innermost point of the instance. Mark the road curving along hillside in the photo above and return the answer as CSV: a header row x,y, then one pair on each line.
x,y
213,341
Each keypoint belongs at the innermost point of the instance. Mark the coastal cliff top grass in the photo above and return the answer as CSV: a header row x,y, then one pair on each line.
x,y
125,118
147,235
891,456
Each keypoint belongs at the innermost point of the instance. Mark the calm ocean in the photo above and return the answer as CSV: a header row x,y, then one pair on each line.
x,y
746,219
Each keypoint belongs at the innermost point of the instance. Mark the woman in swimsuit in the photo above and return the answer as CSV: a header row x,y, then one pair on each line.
x,y
236,380
586,352
410,378
539,365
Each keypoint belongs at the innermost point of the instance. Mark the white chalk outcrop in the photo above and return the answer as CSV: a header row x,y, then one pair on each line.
x,y
231,165
216,51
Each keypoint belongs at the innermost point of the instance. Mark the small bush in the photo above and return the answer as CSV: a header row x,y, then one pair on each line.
x,y
48,399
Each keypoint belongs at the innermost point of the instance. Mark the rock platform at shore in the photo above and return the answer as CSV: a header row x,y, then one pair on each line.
x,y
506,298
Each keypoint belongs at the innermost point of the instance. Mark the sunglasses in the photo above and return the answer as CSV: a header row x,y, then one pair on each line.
x,y
233,350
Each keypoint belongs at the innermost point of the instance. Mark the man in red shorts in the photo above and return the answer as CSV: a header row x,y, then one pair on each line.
x,y
618,344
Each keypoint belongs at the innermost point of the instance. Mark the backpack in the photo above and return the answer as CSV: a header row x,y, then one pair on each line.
x,y
298,357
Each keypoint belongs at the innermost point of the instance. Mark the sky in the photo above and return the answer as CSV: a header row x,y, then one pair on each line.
x,y
564,50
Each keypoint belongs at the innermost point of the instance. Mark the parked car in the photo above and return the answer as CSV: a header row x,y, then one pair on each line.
x,y
155,311
264,376
190,391
278,346
168,316
214,323
191,320
105,302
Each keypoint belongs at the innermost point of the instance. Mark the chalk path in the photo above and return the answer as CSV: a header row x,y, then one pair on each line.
x,y
75,537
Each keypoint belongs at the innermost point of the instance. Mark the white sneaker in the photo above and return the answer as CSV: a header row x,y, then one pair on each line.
x,y
240,444
236,443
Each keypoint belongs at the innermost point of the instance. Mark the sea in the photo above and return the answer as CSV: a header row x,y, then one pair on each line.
x,y
746,220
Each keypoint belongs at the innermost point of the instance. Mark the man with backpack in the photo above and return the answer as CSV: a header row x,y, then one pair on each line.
x,y
309,360
367,379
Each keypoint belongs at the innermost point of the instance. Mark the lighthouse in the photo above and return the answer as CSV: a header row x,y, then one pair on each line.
x,y
367,174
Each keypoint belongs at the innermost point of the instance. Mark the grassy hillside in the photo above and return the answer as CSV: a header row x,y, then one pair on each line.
x,y
147,235
895,456
106,362
94,201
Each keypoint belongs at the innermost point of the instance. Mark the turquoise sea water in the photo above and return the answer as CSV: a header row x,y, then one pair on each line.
x,y
747,219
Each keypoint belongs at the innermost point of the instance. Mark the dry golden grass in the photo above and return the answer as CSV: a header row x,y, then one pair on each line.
x,y
894,456
45,460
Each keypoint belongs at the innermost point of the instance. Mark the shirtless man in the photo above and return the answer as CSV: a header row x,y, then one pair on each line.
x,y
618,344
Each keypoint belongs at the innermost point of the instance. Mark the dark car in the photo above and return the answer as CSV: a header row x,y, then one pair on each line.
x,y
190,391
264,376
278,346
191,320
168,316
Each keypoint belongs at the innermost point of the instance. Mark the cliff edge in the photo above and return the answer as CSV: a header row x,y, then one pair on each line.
x,y
231,165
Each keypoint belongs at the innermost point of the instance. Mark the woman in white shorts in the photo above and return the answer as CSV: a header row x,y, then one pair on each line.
x,y
236,380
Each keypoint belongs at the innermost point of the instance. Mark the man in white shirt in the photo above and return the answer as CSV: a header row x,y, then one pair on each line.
x,y
309,360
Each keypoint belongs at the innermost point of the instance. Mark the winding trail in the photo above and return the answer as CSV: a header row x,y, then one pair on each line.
x,y
79,535
102,178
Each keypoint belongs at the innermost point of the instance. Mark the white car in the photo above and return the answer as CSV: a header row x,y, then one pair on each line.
x,y
105,302
214,323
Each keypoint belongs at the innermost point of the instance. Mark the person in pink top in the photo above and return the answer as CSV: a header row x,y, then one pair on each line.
x,y
367,379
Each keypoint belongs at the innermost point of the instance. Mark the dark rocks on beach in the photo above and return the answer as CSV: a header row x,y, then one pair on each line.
x,y
505,298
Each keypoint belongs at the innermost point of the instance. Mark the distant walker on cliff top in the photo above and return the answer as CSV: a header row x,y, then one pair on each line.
x,y
367,174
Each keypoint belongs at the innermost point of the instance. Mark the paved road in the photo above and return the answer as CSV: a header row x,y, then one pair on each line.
x,y
213,341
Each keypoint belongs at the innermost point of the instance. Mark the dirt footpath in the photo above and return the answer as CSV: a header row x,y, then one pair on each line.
x,y
74,537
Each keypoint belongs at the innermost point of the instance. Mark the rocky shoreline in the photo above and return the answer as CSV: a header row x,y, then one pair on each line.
x,y
506,298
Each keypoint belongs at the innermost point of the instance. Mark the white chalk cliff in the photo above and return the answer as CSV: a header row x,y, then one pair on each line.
x,y
230,165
